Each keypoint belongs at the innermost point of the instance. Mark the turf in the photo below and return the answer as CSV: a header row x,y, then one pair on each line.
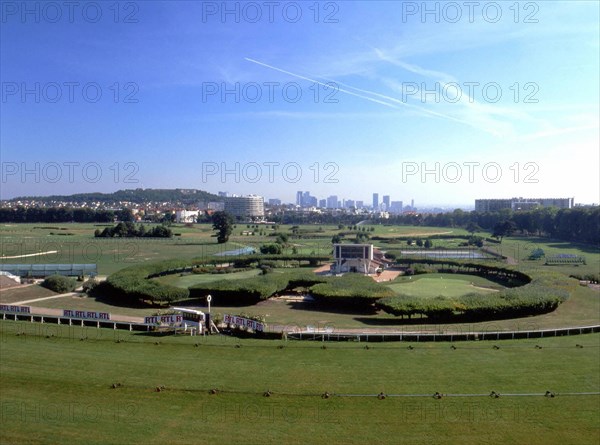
x,y
188,280
69,399
55,388
448,285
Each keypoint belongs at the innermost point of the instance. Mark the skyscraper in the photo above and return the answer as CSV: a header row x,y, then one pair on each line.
x,y
375,201
332,202
386,202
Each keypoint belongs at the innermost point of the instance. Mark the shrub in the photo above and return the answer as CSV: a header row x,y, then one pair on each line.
x,y
544,293
132,283
60,284
350,290
89,285
273,249
244,291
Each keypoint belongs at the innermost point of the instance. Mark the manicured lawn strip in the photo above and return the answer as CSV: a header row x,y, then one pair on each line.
x,y
11,295
449,285
186,281
47,377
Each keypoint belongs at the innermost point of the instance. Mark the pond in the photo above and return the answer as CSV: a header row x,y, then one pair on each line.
x,y
241,251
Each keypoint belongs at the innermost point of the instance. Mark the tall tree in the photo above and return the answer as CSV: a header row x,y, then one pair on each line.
x,y
223,224
504,228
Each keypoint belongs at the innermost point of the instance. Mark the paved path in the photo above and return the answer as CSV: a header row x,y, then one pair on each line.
x,y
28,255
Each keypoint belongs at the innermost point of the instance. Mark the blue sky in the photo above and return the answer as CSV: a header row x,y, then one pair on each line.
x,y
326,97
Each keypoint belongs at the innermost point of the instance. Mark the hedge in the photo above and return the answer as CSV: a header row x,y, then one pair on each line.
x,y
543,294
247,260
243,291
132,283
350,290
254,289
59,283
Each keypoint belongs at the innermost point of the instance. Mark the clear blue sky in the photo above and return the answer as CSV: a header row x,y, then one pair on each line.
x,y
513,87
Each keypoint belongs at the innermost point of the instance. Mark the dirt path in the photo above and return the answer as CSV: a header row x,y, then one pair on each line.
x,y
387,275
28,255
324,268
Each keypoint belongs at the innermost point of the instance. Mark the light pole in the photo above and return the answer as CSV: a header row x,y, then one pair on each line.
x,y
208,319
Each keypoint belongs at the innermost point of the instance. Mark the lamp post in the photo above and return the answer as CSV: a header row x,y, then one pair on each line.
x,y
208,319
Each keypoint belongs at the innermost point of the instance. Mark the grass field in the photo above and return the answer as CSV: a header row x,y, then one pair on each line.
x,y
520,249
191,279
448,285
69,399
75,243
56,388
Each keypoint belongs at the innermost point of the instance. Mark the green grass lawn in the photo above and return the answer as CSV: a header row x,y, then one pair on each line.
x,y
448,285
191,279
521,248
57,389
11,295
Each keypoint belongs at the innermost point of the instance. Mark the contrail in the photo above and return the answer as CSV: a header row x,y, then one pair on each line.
x,y
351,93
320,83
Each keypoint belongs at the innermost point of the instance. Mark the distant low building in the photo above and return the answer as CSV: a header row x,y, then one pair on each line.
x,y
493,205
186,216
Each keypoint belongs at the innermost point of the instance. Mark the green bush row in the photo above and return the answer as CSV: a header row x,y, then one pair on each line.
x,y
350,290
59,283
252,290
132,283
543,294
248,260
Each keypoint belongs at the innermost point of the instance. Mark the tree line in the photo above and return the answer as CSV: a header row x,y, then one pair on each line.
x,y
62,215
576,224
130,230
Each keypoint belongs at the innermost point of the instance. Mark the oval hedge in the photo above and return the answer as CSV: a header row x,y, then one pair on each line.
x,y
132,283
543,294
252,290
350,290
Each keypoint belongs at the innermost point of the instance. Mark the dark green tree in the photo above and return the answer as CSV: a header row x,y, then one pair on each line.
x,y
472,228
504,228
223,224
273,249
